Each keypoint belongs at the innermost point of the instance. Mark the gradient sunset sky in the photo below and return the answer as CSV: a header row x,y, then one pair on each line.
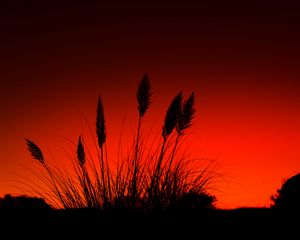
x,y
241,59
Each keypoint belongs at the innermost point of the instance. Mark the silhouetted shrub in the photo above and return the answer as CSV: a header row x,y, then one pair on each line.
x,y
288,196
197,200
23,202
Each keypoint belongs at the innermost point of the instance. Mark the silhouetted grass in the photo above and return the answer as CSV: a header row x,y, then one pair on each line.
x,y
149,176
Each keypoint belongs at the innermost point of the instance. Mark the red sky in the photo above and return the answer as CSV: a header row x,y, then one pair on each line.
x,y
242,60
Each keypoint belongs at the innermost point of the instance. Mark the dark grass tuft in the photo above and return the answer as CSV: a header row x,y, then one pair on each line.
x,y
147,177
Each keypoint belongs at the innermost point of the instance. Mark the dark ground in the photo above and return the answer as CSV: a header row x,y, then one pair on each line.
x,y
240,223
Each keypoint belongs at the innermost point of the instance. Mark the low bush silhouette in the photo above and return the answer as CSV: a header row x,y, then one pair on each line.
x,y
146,177
195,200
23,203
288,196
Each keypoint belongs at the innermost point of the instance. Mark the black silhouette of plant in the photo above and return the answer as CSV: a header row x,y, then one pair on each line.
x,y
288,196
195,200
23,202
143,96
35,151
143,179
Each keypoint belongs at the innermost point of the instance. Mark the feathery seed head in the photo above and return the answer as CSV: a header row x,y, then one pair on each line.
x,y
143,95
187,114
172,115
100,124
35,151
80,152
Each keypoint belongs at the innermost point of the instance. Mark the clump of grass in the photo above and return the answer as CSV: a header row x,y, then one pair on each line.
x,y
144,178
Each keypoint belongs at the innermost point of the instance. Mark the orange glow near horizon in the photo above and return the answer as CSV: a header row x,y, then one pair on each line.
x,y
242,63
254,144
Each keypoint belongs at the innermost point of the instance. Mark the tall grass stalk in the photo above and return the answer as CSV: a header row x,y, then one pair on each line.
x,y
185,117
171,120
101,136
143,96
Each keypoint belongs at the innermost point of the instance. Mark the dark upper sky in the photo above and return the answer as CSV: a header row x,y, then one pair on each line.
x,y
36,34
242,57
41,39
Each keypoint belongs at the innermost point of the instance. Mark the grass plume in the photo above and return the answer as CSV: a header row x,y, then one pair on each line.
x,y
100,124
143,95
80,152
186,114
35,151
172,115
